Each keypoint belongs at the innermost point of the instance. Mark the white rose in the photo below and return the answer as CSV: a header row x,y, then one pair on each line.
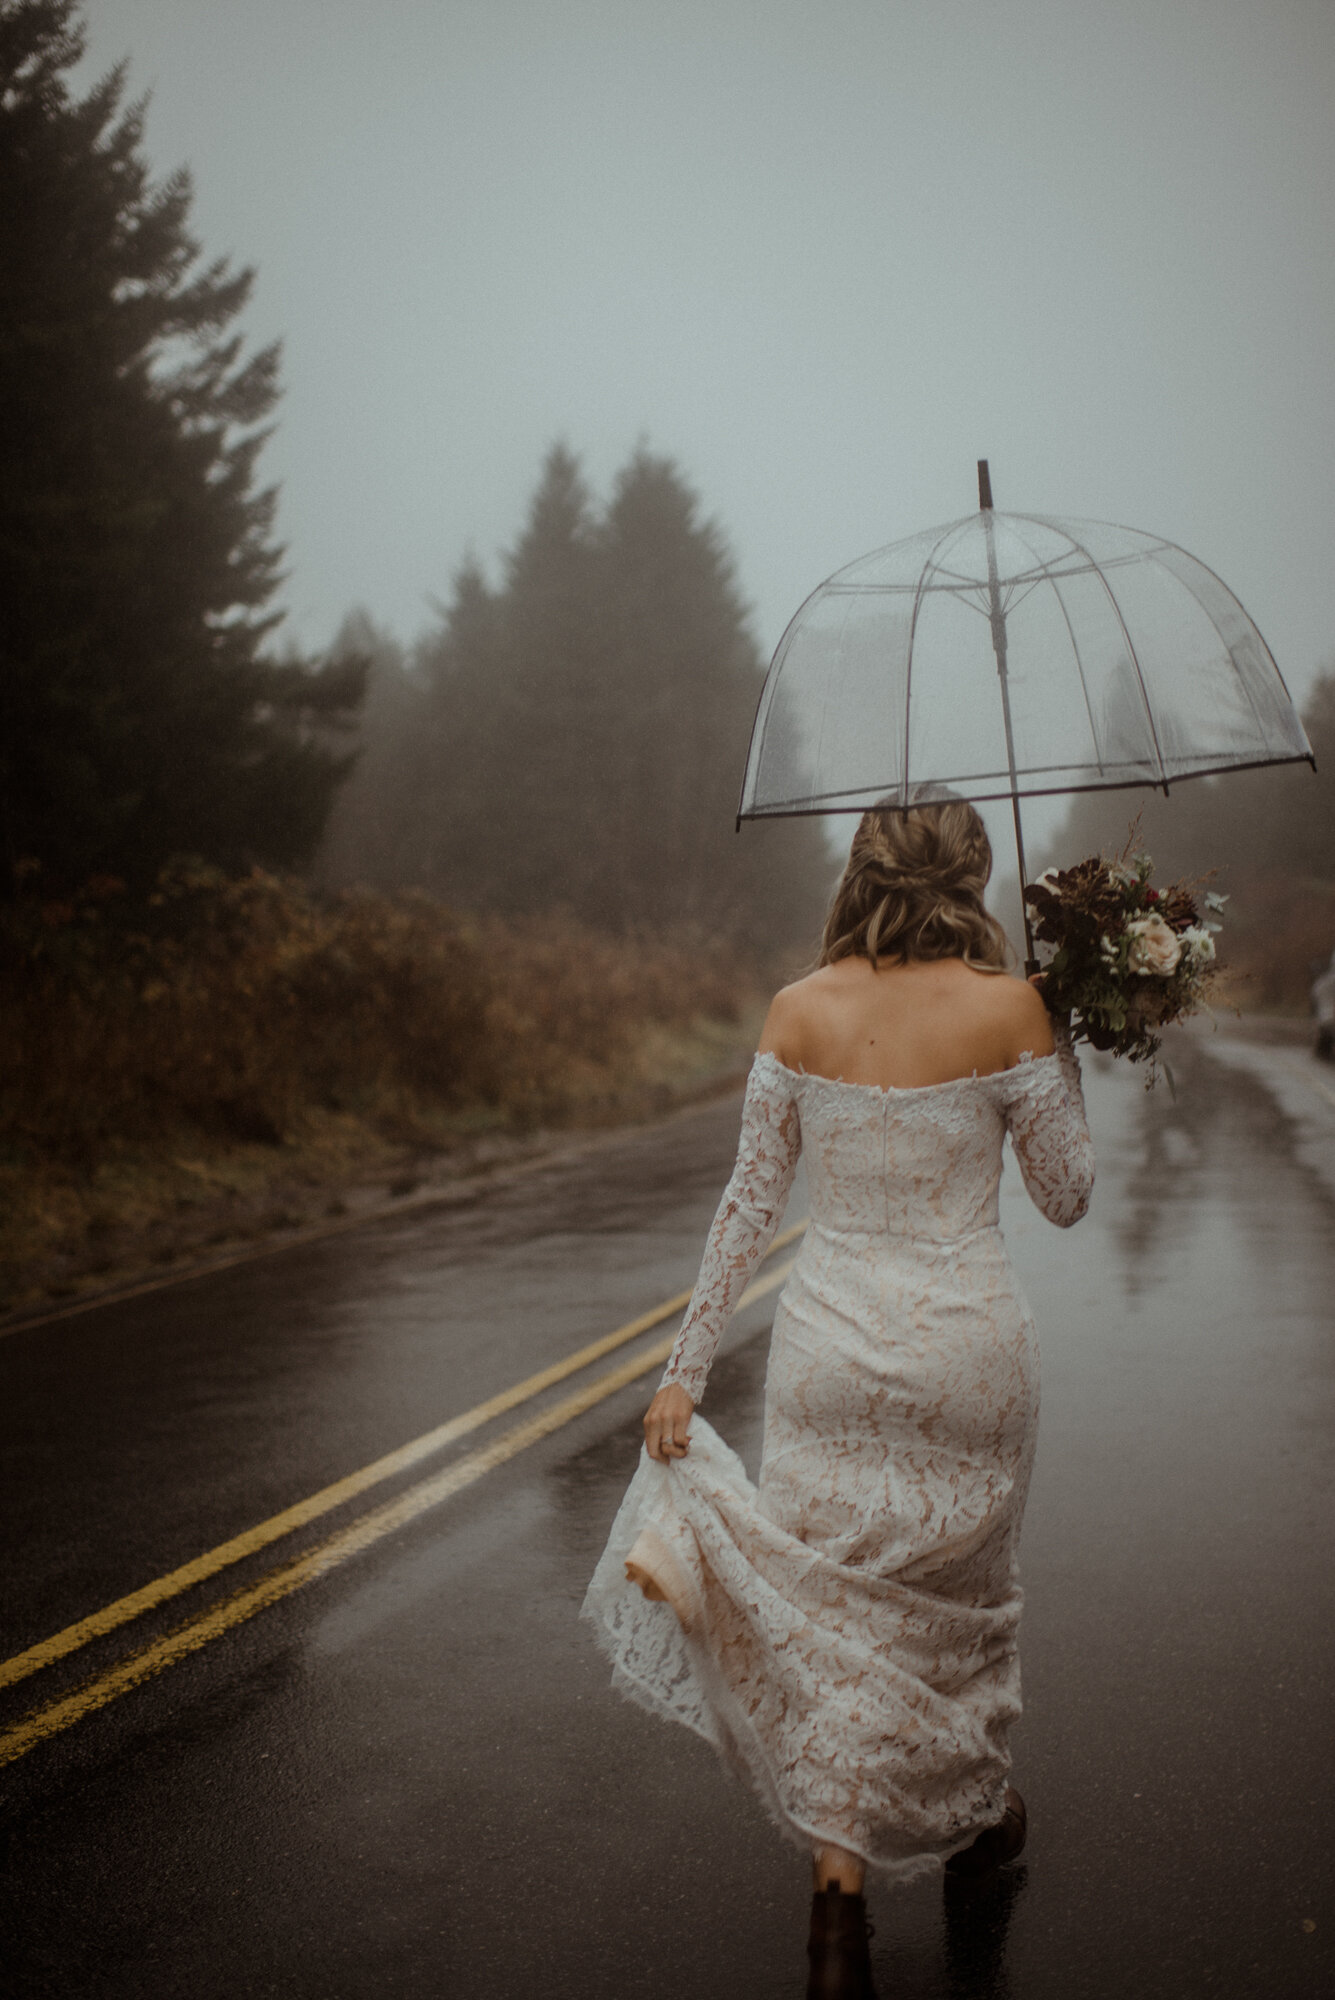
x,y
1199,943
1155,949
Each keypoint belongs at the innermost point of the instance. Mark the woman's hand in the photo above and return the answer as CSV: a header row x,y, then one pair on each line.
x,y
666,1422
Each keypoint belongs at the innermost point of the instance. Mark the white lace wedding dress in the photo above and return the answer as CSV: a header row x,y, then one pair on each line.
x,y
845,1632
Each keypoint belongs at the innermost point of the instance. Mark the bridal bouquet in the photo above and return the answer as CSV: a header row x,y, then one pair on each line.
x,y
1129,958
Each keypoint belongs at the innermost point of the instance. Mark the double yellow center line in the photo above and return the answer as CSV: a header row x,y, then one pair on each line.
x,y
360,1534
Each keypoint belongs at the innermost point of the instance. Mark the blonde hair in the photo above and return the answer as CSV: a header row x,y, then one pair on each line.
x,y
912,888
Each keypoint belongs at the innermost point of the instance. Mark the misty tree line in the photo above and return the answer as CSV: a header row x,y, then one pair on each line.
x,y
573,738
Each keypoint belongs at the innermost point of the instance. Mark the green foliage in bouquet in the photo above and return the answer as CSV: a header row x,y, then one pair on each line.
x,y
1128,958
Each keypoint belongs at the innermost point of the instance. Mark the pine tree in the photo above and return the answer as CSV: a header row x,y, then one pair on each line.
x,y
140,713
551,718
690,678
502,771
586,724
377,834
462,782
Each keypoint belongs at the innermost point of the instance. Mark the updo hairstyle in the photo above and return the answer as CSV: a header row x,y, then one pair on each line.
x,y
913,887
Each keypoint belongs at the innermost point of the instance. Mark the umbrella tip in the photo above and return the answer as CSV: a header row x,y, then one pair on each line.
x,y
984,484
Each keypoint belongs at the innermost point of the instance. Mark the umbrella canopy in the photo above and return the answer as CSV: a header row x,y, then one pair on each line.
x,y
1008,655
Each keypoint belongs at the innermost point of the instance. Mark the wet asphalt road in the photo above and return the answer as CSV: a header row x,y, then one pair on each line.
x,y
410,1779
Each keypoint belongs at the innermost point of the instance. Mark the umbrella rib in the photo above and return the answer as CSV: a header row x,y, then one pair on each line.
x,y
765,699
1251,699
808,810
1075,648
960,585
1153,545
1012,602
1135,662
954,528
962,778
1045,570
825,704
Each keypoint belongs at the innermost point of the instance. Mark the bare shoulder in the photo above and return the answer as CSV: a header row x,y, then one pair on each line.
x,y
1025,1020
788,1022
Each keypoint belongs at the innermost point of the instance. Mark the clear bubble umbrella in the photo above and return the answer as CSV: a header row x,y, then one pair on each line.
x,y
1007,656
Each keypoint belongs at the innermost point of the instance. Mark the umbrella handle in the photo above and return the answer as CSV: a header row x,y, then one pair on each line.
x,y
1031,964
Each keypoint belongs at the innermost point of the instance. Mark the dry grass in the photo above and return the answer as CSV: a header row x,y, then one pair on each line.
x,y
232,1056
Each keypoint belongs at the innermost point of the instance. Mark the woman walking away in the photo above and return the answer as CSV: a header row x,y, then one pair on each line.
x,y
845,1632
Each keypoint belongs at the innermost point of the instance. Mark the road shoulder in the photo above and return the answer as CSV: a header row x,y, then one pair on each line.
x,y
229,1234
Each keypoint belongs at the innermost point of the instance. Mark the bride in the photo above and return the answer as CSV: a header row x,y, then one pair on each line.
x,y
845,1632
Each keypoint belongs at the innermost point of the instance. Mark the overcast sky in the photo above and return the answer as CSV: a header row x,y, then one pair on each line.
x,y
824,255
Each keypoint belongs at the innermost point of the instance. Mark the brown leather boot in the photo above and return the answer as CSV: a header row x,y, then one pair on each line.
x,y
995,1845
837,1947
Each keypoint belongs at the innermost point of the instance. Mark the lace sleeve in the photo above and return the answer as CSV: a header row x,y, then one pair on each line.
x,y
744,1225
1045,1114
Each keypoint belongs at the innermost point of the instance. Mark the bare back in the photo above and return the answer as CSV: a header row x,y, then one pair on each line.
x,y
903,1027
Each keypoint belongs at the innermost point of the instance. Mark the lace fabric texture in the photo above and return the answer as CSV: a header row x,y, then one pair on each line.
x,y
844,1632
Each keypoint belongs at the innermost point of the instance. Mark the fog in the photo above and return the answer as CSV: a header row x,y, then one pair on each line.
x,y
823,257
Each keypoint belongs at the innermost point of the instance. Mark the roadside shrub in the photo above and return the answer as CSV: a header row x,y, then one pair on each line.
x,y
237,1006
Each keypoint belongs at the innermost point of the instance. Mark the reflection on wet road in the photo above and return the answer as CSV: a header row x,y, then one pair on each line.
x,y
294,1572
411,1777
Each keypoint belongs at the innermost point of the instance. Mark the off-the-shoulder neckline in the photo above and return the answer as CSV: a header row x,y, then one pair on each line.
x,y
1027,1061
